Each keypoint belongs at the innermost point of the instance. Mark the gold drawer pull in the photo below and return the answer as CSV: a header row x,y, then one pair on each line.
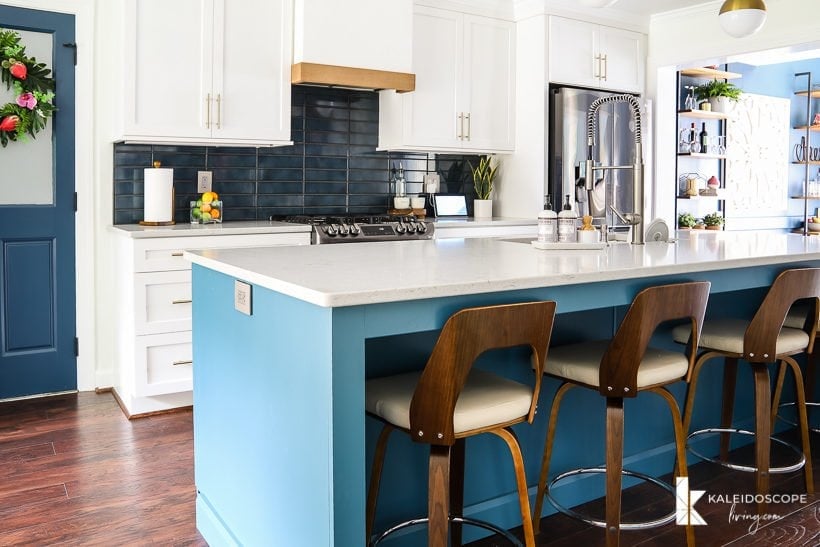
x,y
185,362
181,301
178,253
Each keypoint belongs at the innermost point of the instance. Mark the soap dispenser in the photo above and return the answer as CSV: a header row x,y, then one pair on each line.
x,y
567,219
547,223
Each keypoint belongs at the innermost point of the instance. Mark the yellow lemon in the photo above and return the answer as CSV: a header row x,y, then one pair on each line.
x,y
208,197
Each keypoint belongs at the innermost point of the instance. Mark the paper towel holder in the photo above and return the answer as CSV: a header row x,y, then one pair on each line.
x,y
170,222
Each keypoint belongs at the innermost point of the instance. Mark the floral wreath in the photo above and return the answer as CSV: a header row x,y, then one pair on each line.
x,y
33,90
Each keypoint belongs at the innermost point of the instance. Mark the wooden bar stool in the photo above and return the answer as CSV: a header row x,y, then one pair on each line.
x,y
621,368
761,341
450,401
798,315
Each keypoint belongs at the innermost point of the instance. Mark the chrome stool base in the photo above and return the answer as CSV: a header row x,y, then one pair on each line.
x,y
460,520
794,424
666,519
747,468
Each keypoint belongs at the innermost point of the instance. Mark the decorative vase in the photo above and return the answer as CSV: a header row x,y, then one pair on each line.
x,y
483,208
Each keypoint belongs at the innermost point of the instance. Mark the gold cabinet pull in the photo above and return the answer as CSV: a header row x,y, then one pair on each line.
x,y
176,253
183,362
606,68
460,134
597,67
219,110
469,126
181,301
208,111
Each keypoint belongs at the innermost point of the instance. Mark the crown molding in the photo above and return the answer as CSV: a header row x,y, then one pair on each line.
x,y
525,9
499,9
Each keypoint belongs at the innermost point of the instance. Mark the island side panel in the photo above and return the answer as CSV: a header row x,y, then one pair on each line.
x,y
262,417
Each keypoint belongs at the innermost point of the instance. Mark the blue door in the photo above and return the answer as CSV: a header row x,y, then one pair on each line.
x,y
37,274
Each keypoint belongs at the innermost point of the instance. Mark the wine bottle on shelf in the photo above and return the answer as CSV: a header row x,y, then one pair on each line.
x,y
694,145
704,139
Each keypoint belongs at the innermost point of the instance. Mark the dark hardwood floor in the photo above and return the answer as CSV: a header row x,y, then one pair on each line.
x,y
74,471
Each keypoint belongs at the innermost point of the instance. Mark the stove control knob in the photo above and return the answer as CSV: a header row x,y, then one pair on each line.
x,y
330,230
354,230
400,228
411,227
343,230
421,227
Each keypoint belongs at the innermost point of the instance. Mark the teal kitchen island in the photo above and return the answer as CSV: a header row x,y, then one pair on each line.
x,y
282,445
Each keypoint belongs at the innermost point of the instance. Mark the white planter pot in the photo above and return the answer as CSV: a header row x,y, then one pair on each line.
x,y
719,104
483,208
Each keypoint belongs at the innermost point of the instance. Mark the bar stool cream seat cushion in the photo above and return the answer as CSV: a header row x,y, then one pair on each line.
x,y
486,400
727,335
582,363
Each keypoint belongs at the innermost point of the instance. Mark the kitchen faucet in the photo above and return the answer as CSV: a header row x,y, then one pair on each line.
x,y
635,218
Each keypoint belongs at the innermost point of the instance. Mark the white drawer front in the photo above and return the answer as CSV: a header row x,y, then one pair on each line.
x,y
163,364
163,254
162,302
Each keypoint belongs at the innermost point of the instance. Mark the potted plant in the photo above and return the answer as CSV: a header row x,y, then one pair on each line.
x,y
713,221
483,179
718,93
686,221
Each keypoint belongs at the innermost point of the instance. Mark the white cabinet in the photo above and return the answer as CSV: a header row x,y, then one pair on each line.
x,y
154,354
465,87
207,71
591,55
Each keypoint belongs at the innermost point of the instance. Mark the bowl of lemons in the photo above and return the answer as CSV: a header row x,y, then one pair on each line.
x,y
206,209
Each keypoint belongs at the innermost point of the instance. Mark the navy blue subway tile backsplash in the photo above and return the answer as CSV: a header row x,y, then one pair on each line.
x,y
332,167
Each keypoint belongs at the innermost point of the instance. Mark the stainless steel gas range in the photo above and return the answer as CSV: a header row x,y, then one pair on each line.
x,y
363,228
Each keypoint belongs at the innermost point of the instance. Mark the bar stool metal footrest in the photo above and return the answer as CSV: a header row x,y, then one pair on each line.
x,y
747,468
666,519
794,424
460,520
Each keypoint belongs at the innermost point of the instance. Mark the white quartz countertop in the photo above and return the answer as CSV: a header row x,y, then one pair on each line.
x,y
367,273
224,228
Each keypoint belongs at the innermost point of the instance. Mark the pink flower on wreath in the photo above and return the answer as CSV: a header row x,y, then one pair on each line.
x,y
27,100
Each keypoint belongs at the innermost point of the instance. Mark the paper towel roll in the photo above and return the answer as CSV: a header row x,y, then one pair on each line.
x,y
159,194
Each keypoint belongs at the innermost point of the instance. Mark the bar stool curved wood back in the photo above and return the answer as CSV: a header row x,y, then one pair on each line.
x,y
450,400
620,368
763,340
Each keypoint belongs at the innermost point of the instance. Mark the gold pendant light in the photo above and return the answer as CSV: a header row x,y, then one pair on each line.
x,y
741,18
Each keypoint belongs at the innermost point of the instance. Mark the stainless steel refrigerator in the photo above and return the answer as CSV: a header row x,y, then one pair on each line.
x,y
614,145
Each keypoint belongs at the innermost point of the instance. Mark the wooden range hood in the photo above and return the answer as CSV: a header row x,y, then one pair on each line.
x,y
350,77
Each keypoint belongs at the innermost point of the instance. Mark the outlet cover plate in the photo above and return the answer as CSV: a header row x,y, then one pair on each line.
x,y
204,181
242,297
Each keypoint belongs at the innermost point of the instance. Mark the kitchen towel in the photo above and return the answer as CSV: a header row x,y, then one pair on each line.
x,y
159,194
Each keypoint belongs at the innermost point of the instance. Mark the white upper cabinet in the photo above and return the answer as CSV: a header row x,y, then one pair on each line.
x,y
372,34
207,72
465,87
591,55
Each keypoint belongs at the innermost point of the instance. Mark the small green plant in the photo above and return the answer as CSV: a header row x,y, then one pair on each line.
x,y
483,177
687,220
717,88
713,219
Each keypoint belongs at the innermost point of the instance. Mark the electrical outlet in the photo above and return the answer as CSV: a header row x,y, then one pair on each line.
x,y
203,181
242,297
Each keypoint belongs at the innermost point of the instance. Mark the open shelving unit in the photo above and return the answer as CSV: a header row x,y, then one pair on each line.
x,y
694,160
809,93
